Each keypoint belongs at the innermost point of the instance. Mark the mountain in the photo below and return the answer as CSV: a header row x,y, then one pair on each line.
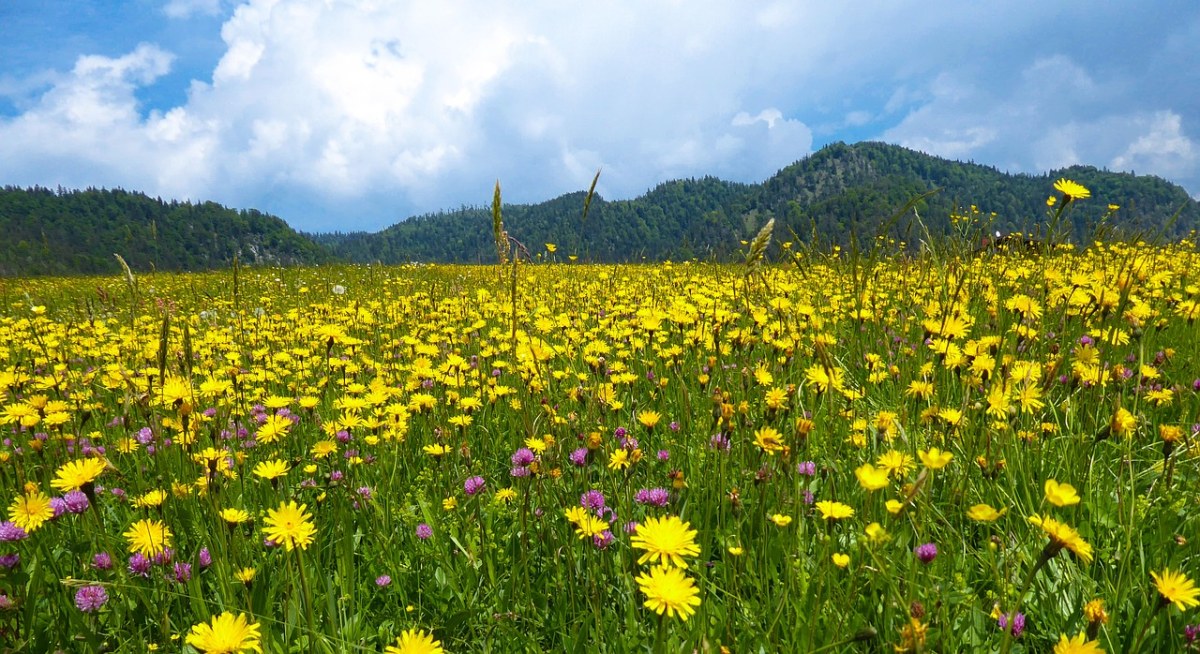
x,y
70,232
838,195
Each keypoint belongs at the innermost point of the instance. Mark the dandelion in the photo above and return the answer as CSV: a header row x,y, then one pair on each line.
x,y
226,634
769,440
834,510
1071,190
1062,536
77,474
666,541
148,537
649,418
30,511
290,526
668,590
1077,645
1176,588
415,641
272,470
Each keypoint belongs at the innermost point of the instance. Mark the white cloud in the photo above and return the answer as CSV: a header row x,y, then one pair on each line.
x,y
1056,113
356,113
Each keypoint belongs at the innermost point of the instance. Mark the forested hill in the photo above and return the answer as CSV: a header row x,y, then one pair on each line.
x,y
836,195
839,194
63,232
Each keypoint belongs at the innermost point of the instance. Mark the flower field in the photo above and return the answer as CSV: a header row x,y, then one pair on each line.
x,y
965,450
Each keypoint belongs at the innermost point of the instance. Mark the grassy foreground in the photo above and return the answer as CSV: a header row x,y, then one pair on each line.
x,y
964,451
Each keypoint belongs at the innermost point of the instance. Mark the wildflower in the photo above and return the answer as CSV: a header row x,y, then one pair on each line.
x,y
77,501
934,459
90,599
736,550
245,575
1061,494
148,537
834,510
1062,535
876,533
592,499
619,460
668,590
870,477
926,553
1176,588
579,456
523,457
588,526
649,418
985,513
226,634
415,641
102,561
841,560
424,531
234,516
781,520
1077,645
290,526
139,565
473,485
504,496
1071,190
1018,623
150,500
77,474
449,504
183,572
272,470
30,511
383,581
204,558
769,440
653,496
896,463
666,541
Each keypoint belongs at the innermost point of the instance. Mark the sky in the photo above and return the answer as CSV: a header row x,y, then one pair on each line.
x,y
341,115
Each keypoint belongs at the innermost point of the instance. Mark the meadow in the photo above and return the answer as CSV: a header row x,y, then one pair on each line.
x,y
962,449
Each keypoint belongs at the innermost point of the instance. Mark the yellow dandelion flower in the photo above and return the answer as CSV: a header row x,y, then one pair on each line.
x,y
415,641
150,537
290,526
666,540
1176,588
226,634
30,511
668,590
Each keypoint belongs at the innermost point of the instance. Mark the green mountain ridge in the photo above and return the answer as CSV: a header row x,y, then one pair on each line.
x,y
51,232
835,196
839,194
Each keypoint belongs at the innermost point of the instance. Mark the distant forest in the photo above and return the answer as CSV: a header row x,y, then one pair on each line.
x,y
840,195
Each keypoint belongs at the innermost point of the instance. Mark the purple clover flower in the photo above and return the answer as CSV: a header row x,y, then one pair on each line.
x,y
579,456
102,561
424,531
9,531
139,565
652,496
383,581
473,485
89,599
523,457
1018,624
592,499
926,553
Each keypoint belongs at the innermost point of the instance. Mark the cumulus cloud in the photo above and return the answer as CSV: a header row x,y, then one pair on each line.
x,y
1056,113
358,113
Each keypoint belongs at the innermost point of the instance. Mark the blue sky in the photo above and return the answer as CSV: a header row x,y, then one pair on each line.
x,y
343,114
